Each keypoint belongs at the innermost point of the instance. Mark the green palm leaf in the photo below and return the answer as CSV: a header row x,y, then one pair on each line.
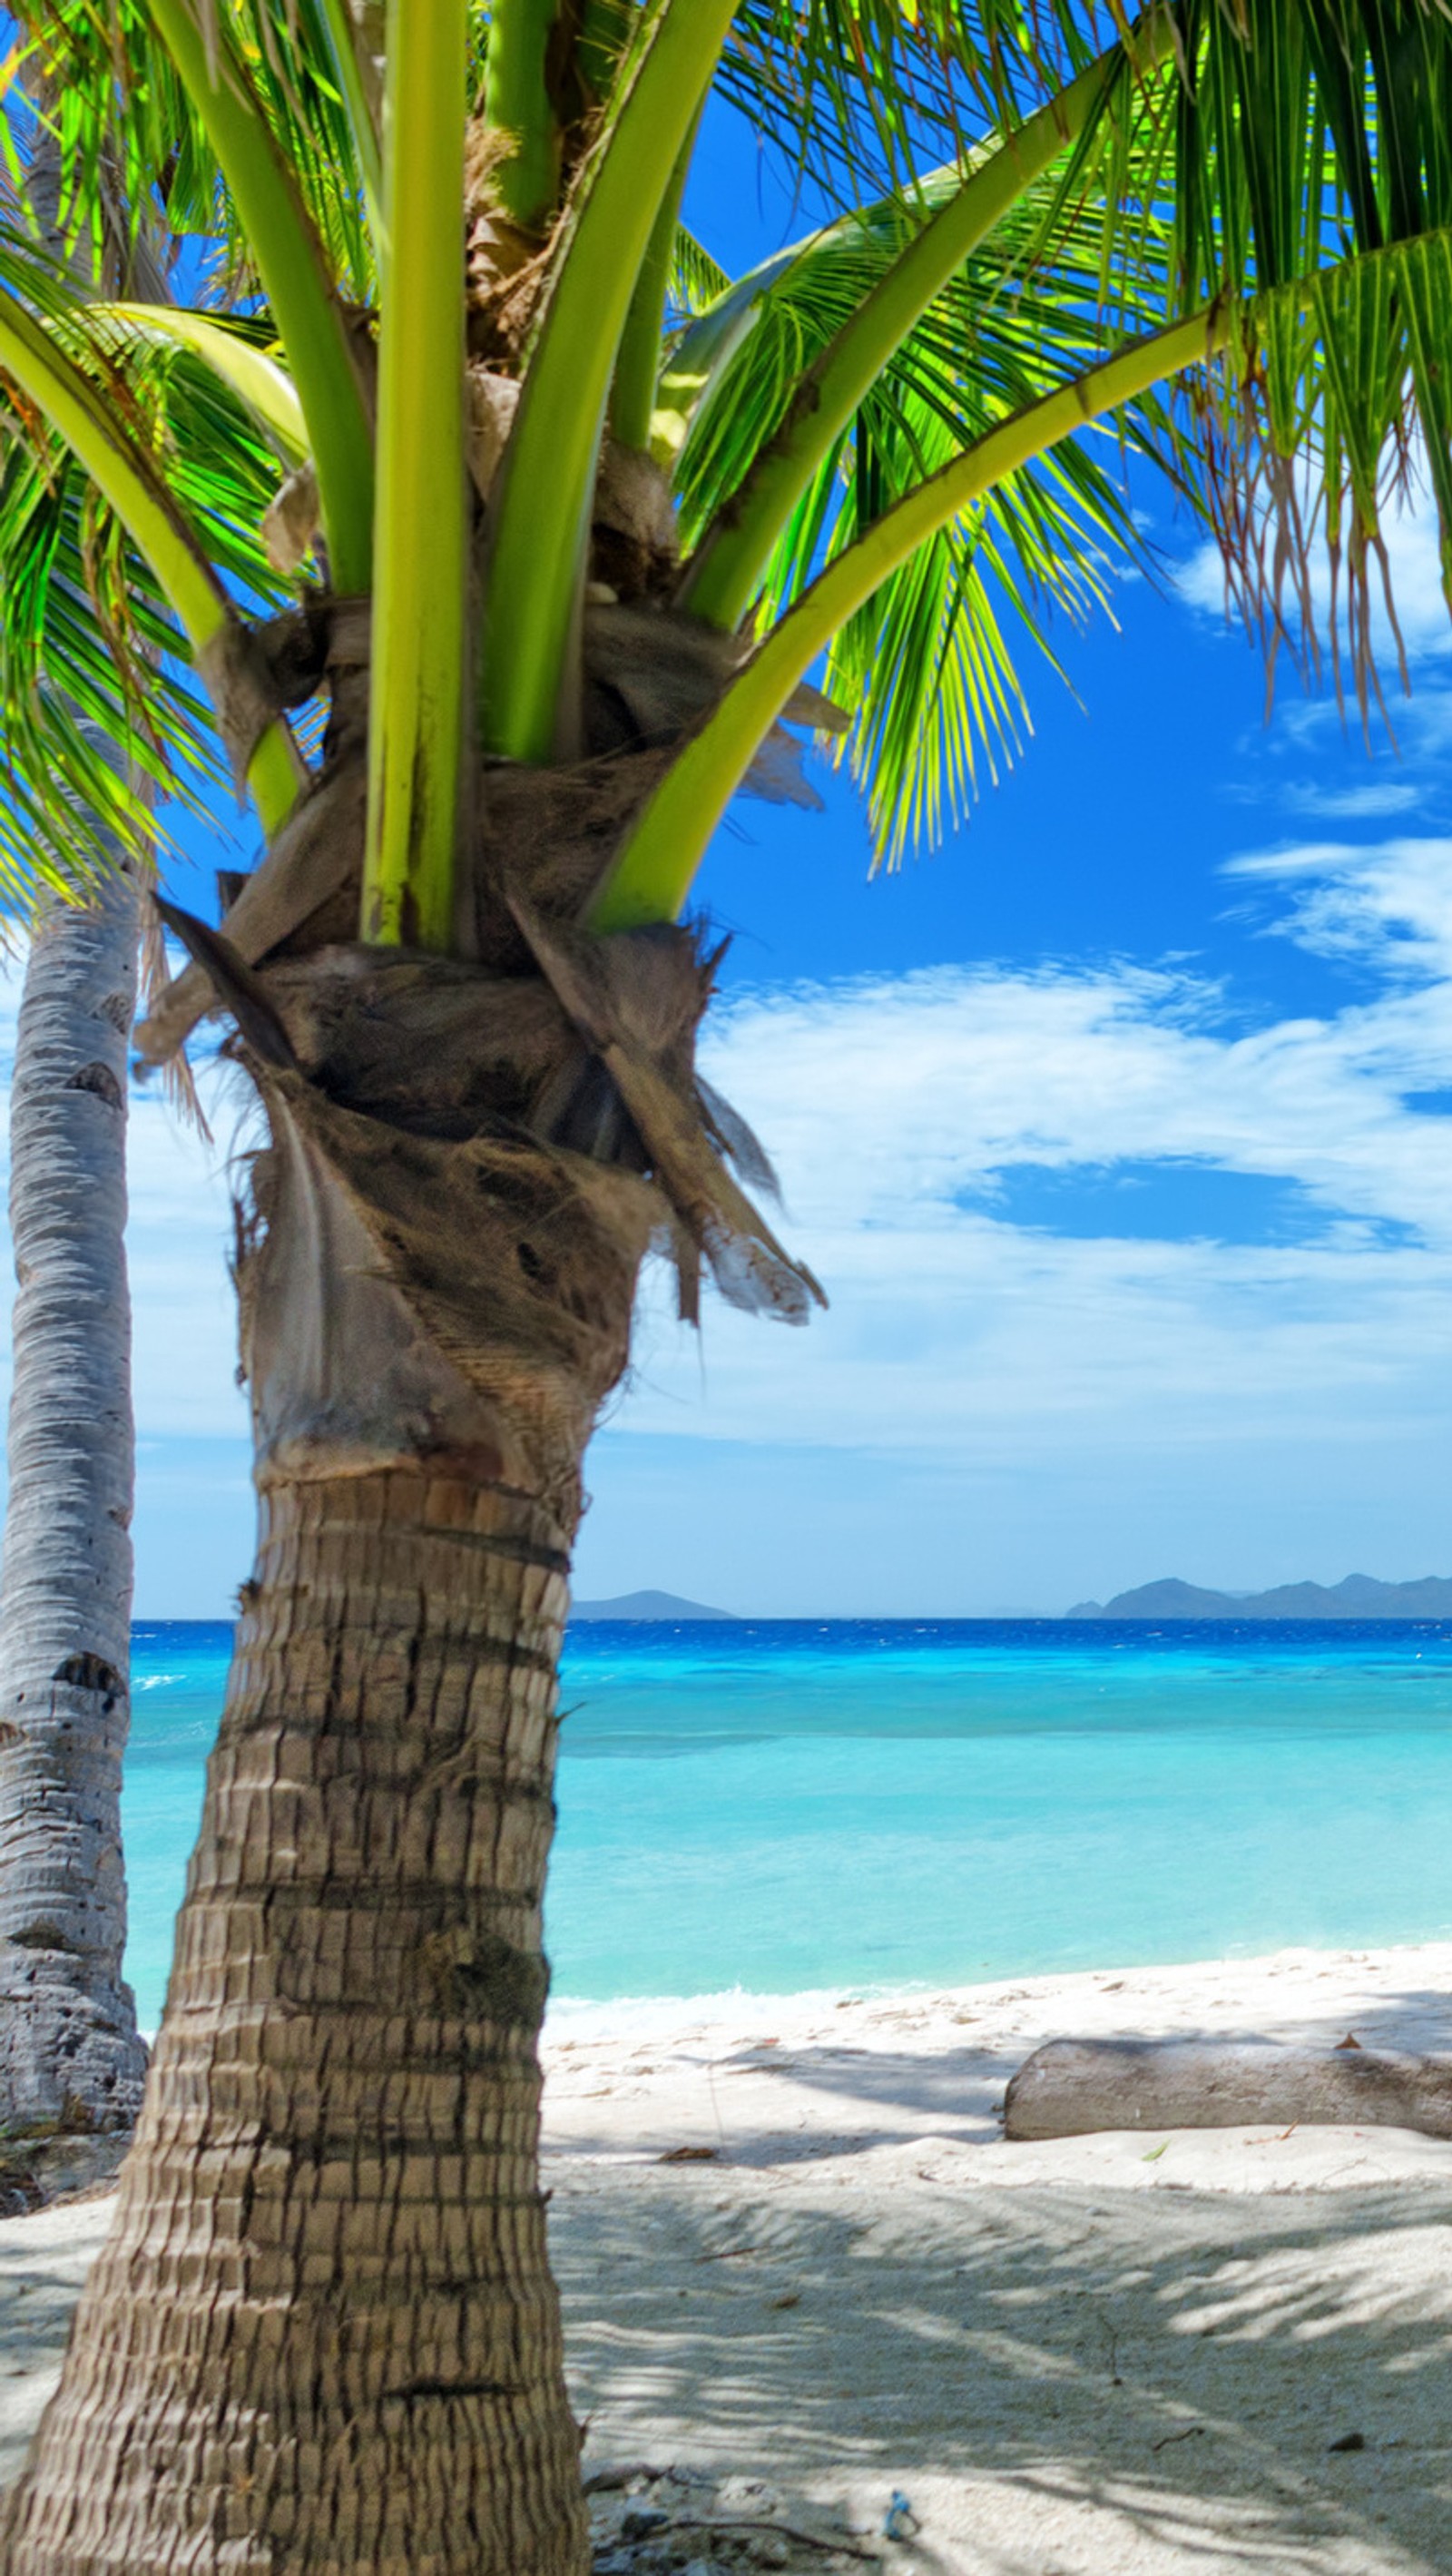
x,y
88,646
926,669
120,102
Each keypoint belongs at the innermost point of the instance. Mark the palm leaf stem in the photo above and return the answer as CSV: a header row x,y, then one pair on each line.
x,y
541,530
660,855
125,476
416,730
637,369
289,259
726,571
518,103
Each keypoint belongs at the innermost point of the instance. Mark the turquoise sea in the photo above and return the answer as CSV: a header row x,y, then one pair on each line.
x,y
875,1803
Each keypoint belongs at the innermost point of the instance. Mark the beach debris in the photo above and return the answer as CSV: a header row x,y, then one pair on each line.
x,y
1073,2087
665,2522
643,2522
1191,2433
771,2544
748,2495
690,2156
788,2299
1348,2442
899,2522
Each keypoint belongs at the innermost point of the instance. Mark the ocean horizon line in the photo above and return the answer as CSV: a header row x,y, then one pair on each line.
x,y
143,1620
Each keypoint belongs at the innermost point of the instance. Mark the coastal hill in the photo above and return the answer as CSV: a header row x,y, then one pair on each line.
x,y
1361,1596
646,1605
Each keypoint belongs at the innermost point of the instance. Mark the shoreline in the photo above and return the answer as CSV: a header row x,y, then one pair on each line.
x,y
643,2075
769,2078
1258,1978
576,2019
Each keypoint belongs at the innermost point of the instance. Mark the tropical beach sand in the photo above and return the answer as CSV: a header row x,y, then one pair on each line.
x,y
1110,2356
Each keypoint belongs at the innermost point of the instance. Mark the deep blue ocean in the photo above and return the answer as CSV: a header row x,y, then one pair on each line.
x,y
877,1803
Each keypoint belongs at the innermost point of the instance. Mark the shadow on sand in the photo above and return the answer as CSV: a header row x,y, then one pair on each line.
x,y
1070,2381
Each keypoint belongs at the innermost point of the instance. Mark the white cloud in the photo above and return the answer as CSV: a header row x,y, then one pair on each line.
x,y
1379,797
1388,906
891,1104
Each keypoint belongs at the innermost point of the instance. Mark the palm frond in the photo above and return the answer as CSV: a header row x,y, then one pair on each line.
x,y
85,644
88,645
120,104
926,667
1332,408
853,97
696,279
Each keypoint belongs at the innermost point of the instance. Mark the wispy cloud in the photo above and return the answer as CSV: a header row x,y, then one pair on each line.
x,y
892,1106
1387,906
1299,763
1369,803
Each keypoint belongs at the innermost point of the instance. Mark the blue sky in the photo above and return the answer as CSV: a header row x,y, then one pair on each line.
x,y
1118,1131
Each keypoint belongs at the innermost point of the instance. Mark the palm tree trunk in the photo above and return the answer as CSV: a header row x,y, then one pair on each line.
x,y
323,2335
70,2057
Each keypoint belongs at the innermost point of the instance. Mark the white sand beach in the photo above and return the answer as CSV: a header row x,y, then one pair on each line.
x,y
1110,2356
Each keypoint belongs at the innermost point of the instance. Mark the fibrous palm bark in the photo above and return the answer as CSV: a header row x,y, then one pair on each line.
x,y
323,2335
70,2056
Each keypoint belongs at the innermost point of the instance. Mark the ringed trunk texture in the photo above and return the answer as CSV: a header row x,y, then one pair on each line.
x,y
70,2056
323,2335
1075,2086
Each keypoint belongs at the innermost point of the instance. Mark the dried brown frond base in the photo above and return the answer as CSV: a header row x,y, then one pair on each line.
x,y
502,1132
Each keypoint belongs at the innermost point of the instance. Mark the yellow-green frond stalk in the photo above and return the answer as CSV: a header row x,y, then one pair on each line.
x,y
542,513
416,730
732,557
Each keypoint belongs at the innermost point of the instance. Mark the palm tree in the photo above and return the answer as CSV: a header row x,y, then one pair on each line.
x,y
572,518
71,2058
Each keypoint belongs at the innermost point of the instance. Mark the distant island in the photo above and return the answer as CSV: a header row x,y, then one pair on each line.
x,y
646,1605
1361,1596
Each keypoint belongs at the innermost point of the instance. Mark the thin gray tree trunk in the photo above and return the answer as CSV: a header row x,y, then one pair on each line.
x,y
70,2055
